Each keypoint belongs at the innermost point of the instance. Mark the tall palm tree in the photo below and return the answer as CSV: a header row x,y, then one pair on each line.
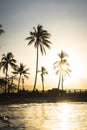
x,y
1,30
40,38
21,71
61,67
43,72
6,61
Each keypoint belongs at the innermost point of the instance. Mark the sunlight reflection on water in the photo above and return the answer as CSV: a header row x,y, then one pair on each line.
x,y
45,116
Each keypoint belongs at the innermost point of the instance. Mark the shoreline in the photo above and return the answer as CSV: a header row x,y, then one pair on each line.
x,y
7,99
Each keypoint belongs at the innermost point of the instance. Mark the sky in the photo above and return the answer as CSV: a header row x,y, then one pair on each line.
x,y
65,20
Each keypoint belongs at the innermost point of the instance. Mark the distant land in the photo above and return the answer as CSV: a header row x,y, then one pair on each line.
x,y
49,96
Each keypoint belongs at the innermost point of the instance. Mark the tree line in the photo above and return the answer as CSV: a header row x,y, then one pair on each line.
x,y
40,38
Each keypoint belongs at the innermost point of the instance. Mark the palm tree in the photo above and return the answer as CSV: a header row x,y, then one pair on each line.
x,y
11,85
1,30
43,72
3,83
40,38
21,71
61,67
6,61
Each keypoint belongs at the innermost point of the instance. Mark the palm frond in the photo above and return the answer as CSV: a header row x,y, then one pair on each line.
x,y
46,44
41,48
44,50
57,72
67,72
26,76
31,41
45,72
1,30
56,62
15,72
39,37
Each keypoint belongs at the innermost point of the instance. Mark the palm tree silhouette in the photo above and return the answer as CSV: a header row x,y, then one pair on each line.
x,y
6,61
21,71
43,72
3,83
22,83
1,30
61,67
12,86
40,38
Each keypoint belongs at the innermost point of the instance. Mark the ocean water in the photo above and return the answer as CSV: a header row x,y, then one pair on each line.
x,y
44,116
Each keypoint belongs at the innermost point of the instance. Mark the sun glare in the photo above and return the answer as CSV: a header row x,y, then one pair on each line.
x,y
76,67
65,110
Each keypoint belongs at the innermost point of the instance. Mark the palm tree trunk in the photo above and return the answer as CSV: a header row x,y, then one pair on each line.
x,y
43,83
5,89
62,80
19,83
23,84
36,71
59,81
6,80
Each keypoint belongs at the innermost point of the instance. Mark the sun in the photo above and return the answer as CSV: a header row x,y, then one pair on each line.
x,y
76,67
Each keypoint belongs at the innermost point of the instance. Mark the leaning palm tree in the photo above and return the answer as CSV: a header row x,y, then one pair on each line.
x,y
62,68
6,61
40,38
43,72
21,71
1,30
